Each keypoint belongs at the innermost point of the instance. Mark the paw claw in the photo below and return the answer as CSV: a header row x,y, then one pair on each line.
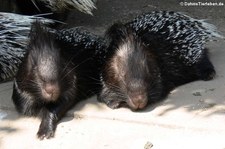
x,y
45,134
113,104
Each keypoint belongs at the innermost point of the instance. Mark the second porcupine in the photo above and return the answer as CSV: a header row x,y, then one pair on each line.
x,y
153,54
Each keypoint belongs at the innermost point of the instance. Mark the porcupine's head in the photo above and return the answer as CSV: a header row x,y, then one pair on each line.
x,y
131,74
45,73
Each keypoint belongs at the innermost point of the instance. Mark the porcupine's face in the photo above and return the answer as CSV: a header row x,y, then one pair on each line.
x,y
130,75
46,74
44,66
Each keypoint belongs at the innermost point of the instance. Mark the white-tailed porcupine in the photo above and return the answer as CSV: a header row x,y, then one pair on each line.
x,y
153,54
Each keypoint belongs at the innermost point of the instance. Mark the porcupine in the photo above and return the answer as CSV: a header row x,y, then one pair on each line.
x,y
58,70
153,54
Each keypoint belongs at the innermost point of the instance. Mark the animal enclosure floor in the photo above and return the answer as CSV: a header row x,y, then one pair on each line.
x,y
192,116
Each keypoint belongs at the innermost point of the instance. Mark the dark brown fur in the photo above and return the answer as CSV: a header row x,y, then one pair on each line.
x,y
51,79
141,70
131,75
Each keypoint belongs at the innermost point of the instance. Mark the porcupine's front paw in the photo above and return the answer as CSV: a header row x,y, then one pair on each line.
x,y
113,104
45,131
109,100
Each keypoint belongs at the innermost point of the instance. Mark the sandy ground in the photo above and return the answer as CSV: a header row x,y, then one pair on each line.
x,y
191,117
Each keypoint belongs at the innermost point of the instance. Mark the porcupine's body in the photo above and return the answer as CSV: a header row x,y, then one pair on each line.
x,y
58,70
178,38
93,59
187,35
152,55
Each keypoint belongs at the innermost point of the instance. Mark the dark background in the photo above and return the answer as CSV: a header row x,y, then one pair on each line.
x,y
109,11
